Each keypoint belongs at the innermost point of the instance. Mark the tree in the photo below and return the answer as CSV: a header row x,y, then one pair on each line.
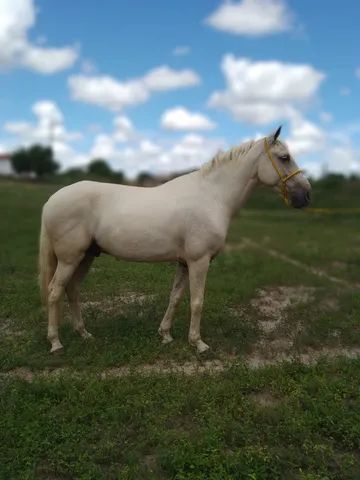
x,y
36,159
42,160
144,177
20,161
120,177
99,167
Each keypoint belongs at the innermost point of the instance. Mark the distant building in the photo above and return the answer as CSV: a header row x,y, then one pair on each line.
x,y
5,164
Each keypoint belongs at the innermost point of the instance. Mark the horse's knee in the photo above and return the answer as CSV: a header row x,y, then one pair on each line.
x,y
55,293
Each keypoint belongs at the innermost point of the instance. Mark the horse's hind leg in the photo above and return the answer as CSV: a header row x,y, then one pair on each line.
x,y
63,273
177,292
73,294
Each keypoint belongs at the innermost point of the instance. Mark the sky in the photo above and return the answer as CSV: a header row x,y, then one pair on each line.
x,y
161,86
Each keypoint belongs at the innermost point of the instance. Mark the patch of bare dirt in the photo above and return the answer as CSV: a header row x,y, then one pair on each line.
x,y
116,303
259,359
272,302
7,329
211,367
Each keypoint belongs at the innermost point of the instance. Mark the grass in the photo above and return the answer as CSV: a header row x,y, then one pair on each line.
x,y
184,428
285,421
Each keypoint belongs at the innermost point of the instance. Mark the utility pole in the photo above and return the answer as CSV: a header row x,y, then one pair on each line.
x,y
52,134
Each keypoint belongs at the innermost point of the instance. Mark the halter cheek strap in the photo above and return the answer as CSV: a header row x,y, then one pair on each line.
x,y
283,178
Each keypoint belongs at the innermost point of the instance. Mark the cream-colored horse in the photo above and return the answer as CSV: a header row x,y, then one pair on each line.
x,y
185,220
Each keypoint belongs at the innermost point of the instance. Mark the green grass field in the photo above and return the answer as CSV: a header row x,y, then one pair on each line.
x,y
291,420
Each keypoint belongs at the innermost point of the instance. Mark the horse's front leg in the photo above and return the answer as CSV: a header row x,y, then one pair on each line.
x,y
197,274
177,292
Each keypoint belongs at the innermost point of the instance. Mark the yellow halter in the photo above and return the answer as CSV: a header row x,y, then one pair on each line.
x,y
283,178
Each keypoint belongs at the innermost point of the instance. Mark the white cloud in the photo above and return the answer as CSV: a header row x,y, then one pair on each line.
x,y
252,17
49,60
112,94
313,169
124,129
261,92
165,78
158,157
150,148
192,151
103,147
107,92
16,18
305,137
179,118
181,50
49,128
343,160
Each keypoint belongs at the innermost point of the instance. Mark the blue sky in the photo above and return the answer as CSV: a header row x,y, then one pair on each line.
x,y
162,85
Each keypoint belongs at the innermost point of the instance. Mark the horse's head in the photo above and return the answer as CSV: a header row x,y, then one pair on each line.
x,y
277,169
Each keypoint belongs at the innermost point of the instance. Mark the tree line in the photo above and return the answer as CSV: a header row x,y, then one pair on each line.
x,y
38,161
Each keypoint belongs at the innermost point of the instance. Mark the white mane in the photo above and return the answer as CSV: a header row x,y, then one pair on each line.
x,y
234,154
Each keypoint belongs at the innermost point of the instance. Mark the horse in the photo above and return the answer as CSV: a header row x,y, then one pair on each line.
x,y
184,220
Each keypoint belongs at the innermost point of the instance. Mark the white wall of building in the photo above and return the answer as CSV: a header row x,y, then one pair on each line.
x,y
5,167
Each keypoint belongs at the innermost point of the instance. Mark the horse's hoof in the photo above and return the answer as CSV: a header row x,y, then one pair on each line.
x,y
166,337
56,348
202,347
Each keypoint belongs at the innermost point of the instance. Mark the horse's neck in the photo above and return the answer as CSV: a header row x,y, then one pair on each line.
x,y
234,181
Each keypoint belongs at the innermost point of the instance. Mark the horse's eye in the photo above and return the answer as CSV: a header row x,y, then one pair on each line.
x,y
285,158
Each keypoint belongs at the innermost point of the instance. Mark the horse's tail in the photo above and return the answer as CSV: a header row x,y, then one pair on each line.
x,y
47,262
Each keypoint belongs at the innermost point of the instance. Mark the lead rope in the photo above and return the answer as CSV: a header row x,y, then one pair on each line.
x,y
283,178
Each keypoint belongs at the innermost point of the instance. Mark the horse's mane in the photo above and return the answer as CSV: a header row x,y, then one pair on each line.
x,y
234,154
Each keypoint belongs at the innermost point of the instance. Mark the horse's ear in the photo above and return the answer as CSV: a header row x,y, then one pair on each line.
x,y
275,136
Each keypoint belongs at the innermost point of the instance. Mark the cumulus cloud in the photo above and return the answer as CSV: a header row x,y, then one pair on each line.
x,y
305,137
265,91
16,50
251,17
343,160
165,78
107,92
124,129
112,94
191,151
179,118
48,128
156,157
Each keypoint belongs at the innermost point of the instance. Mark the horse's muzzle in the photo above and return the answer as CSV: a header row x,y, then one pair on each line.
x,y
300,199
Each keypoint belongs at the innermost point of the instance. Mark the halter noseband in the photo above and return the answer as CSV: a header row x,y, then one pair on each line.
x,y
283,178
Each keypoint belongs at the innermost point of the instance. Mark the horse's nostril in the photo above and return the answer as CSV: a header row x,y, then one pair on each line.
x,y
308,196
